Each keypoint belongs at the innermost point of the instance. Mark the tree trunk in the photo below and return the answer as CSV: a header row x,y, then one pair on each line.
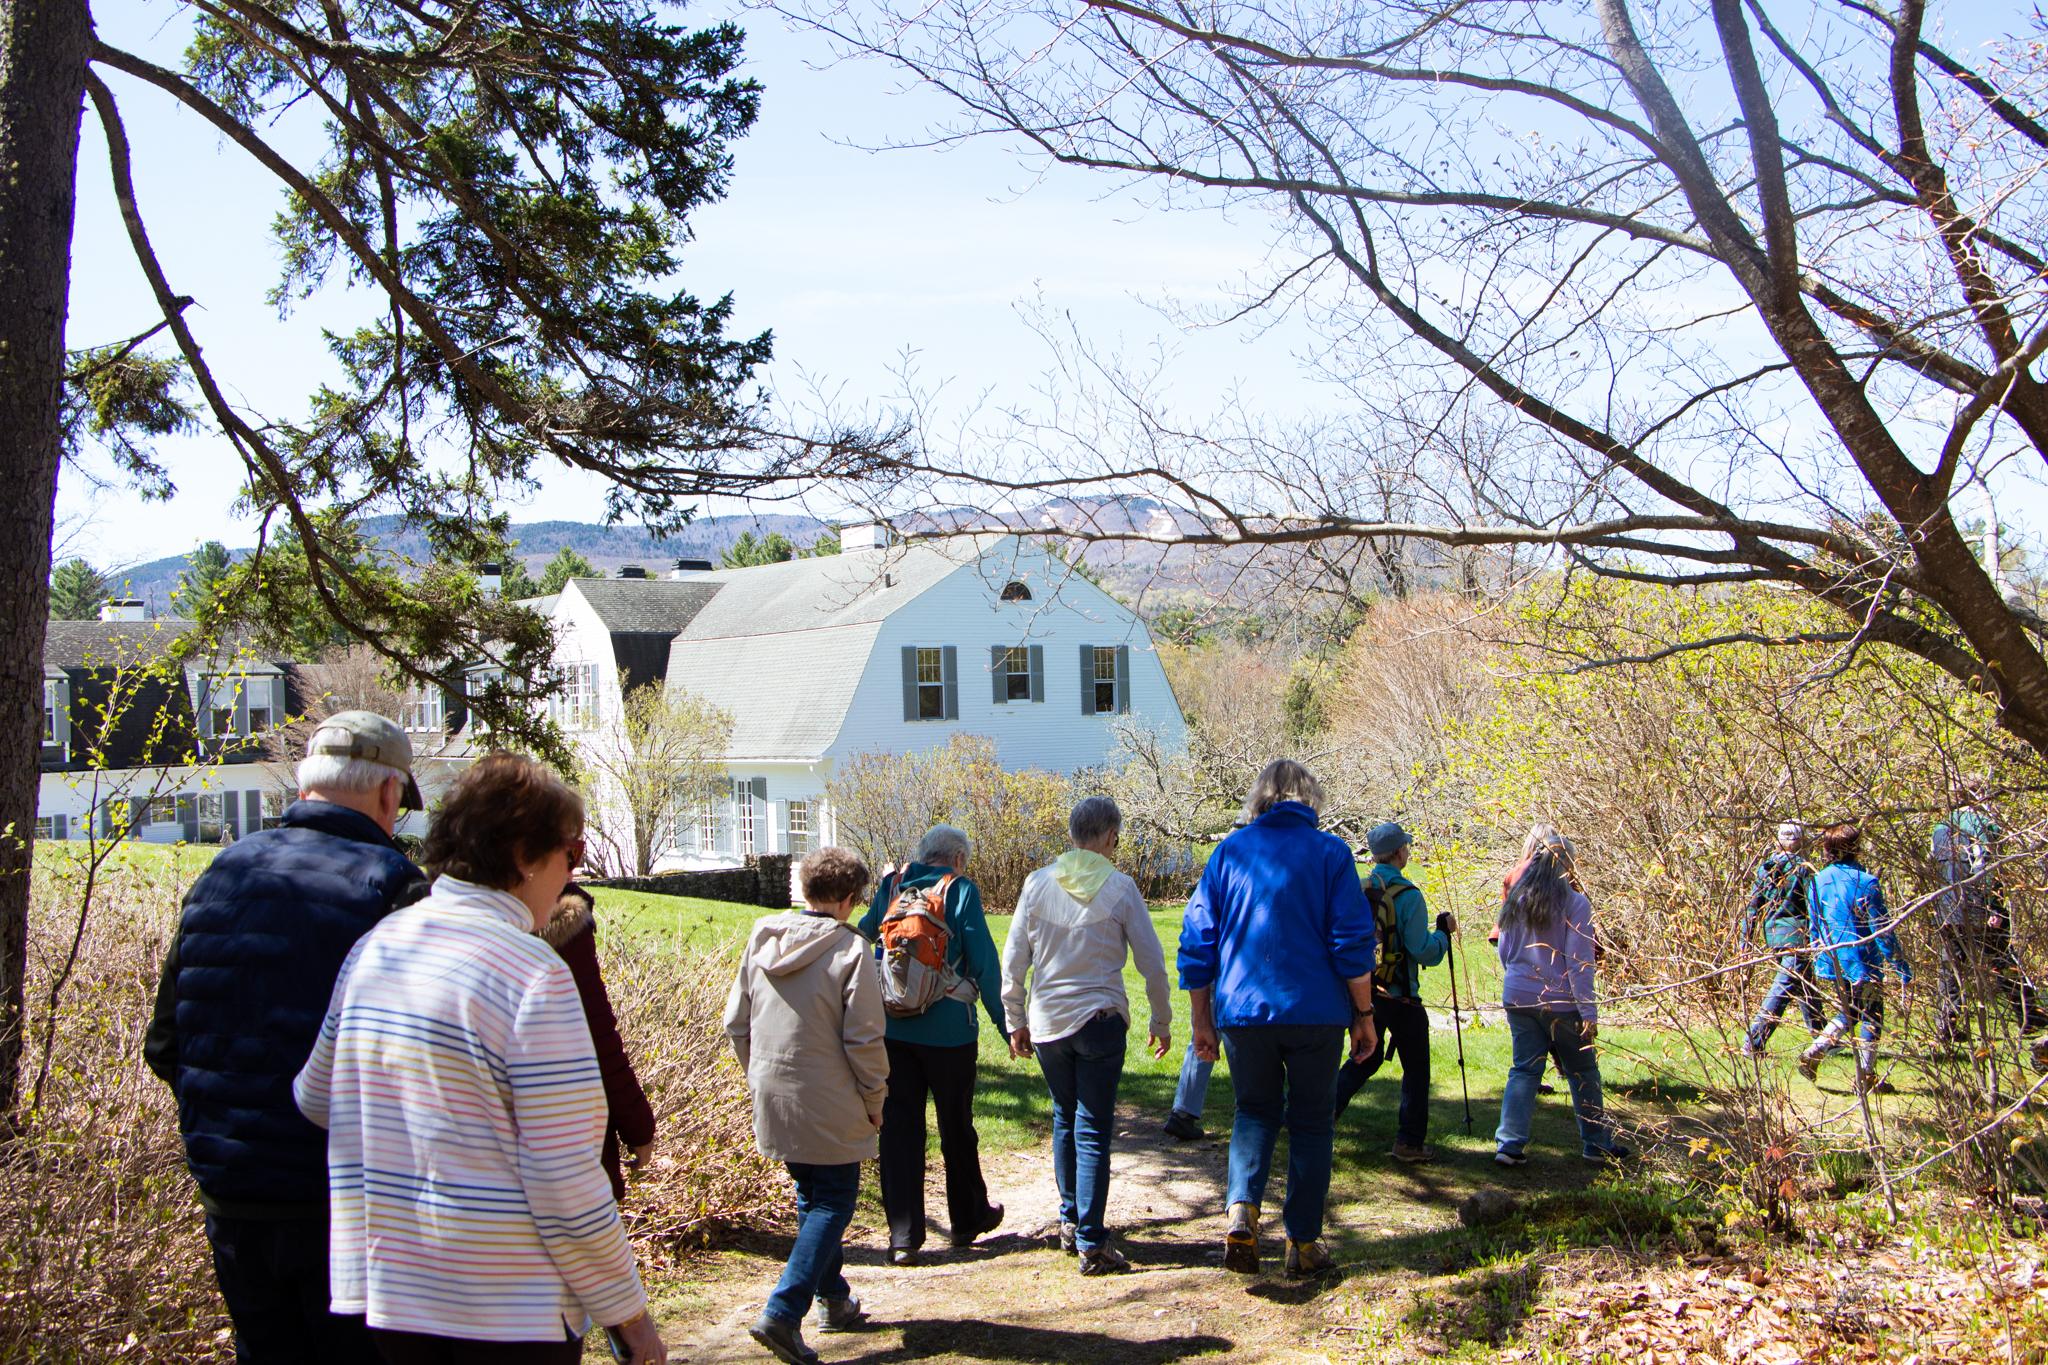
x,y
43,45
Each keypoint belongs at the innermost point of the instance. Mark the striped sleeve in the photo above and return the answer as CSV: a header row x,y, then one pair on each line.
x,y
558,1104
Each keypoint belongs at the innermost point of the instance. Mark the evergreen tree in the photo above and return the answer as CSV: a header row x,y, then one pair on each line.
x,y
205,569
516,583
746,552
77,590
827,543
566,564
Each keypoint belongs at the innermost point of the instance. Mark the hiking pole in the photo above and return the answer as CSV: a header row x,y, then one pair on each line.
x,y
1458,1027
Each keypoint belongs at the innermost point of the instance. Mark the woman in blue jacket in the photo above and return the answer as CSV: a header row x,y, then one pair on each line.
x,y
1276,953
1852,943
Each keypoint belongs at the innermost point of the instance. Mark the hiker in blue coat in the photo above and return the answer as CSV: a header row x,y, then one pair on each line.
x,y
1777,915
1276,953
1852,943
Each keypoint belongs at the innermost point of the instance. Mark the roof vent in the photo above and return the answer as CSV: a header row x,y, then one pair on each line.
x,y
632,571
123,609
687,567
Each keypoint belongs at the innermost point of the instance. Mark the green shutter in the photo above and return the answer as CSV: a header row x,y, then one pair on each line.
x,y
1123,678
1038,672
910,682
949,659
999,673
1087,680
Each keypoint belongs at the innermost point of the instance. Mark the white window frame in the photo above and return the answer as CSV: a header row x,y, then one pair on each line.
x,y
1017,672
424,710
577,706
49,710
797,821
163,810
1105,655
931,682
746,825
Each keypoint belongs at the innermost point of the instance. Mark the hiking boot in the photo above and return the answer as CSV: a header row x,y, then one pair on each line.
x,y
2040,1052
1412,1156
1750,1049
1104,1260
784,1339
1068,1244
1868,1084
1809,1066
1241,1242
1182,1126
1545,1088
838,1315
1504,1157
1608,1156
903,1256
991,1219
1307,1259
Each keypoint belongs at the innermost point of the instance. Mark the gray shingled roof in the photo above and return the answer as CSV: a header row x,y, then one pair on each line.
x,y
105,644
817,594
642,605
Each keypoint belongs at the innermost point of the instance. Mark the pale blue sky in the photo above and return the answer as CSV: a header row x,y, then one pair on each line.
x,y
852,258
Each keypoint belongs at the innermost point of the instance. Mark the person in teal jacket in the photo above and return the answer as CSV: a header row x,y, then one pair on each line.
x,y
1397,991
934,1055
1852,944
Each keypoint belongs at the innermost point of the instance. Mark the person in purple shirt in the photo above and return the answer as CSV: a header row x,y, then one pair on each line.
x,y
1546,954
1276,954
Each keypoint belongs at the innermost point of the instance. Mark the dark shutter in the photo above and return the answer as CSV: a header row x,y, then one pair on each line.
x,y
1087,680
58,827
1123,678
61,705
231,813
759,786
1038,672
949,658
253,806
910,682
999,673
188,817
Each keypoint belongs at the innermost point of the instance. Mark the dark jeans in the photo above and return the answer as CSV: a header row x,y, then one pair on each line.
x,y
417,1348
1973,955
945,1075
1284,1075
1793,982
1404,1032
1539,1036
1082,1071
273,1275
825,1197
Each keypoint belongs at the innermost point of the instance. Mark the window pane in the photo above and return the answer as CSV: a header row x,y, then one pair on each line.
x,y
1105,697
223,720
931,701
930,666
1019,687
1105,664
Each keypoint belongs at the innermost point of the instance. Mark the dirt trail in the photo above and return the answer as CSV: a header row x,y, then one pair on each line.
x,y
1014,1297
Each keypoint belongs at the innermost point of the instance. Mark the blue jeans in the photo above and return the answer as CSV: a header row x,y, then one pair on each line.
x,y
1082,1071
1284,1075
1192,1095
1539,1035
1794,982
824,1206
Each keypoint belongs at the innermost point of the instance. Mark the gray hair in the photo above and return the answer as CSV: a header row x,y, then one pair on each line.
x,y
1542,834
1093,819
340,773
947,844
1283,780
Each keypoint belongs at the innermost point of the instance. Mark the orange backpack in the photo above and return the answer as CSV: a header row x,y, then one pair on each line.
x,y
914,948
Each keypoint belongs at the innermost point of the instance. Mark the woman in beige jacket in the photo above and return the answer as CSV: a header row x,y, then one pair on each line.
x,y
805,1017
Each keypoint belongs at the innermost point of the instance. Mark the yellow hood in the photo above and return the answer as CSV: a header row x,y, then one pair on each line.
x,y
1081,873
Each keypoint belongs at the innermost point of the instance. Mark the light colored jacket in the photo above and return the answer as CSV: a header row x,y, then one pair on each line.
x,y
1074,922
1551,968
805,1016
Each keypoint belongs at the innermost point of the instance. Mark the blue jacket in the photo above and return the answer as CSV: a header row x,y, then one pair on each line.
x,y
949,1023
1848,913
263,934
1278,924
1425,946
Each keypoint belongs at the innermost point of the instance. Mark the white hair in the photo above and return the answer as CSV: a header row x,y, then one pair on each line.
x,y
340,773
1094,818
946,844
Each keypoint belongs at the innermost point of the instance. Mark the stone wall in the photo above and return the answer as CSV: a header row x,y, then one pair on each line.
x,y
763,880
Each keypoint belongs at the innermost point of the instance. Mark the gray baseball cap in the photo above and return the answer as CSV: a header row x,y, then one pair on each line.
x,y
373,738
1385,840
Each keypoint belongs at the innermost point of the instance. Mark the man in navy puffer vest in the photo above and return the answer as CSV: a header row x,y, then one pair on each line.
x,y
246,983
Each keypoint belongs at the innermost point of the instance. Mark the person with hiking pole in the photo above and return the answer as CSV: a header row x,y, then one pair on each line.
x,y
1853,942
1777,914
1407,944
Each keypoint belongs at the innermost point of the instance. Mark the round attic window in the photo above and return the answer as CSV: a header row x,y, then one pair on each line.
x,y
1014,591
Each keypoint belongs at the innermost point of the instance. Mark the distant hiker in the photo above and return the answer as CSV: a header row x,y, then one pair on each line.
x,y
1546,954
1407,944
1076,923
931,908
263,933
1776,919
805,1016
1276,953
629,1121
1972,923
1853,941
463,1104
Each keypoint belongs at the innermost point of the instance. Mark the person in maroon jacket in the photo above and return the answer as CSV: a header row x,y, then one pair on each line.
x,y
572,930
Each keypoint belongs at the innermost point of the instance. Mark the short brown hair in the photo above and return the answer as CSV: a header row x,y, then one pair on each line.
x,y
830,875
1840,842
507,809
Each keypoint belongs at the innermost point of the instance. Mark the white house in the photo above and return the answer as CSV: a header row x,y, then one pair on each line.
x,y
878,649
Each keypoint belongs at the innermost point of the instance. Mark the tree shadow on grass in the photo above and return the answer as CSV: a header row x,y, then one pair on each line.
x,y
976,1339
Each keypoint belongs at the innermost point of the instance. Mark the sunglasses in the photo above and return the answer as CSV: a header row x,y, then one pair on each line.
x,y
575,849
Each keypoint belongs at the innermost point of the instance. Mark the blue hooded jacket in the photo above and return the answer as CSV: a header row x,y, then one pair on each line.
x,y
1278,924
1848,912
245,986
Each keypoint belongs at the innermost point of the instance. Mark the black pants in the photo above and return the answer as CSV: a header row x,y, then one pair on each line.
x,y
1404,1032
1974,955
946,1076
417,1348
273,1275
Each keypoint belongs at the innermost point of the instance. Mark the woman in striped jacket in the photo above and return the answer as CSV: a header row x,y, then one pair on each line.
x,y
470,1217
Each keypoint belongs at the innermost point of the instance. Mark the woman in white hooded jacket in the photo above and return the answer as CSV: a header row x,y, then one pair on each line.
x,y
805,1016
1075,921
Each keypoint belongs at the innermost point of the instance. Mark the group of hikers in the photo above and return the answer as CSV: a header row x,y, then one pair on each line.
x,y
409,1112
